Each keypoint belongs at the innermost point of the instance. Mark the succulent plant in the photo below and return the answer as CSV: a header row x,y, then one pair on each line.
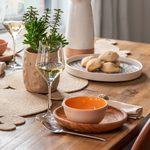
x,y
37,28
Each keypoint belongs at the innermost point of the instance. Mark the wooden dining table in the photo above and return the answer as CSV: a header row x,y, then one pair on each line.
x,y
33,136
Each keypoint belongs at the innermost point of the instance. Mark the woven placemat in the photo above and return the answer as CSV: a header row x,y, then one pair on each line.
x,y
3,85
67,83
58,95
21,103
15,80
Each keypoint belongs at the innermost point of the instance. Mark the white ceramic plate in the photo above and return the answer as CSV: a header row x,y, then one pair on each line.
x,y
130,69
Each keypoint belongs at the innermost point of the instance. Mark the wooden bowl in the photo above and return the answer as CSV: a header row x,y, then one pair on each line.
x,y
85,109
113,119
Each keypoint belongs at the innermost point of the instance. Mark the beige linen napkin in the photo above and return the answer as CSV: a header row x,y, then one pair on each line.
x,y
133,111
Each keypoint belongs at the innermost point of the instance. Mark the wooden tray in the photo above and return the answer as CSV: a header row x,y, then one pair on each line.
x,y
114,118
7,55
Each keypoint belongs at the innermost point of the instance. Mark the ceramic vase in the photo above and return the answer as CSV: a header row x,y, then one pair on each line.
x,y
33,81
80,28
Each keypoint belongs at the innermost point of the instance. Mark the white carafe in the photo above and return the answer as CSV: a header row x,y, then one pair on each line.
x,y
80,28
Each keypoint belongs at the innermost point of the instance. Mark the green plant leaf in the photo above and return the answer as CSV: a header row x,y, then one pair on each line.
x,y
36,28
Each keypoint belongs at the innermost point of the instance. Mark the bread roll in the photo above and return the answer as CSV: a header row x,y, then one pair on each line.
x,y
117,63
85,60
93,64
110,67
108,56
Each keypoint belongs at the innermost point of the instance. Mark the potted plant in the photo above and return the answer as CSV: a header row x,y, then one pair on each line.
x,y
36,31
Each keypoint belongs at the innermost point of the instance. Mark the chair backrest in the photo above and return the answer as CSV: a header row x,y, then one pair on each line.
x,y
143,140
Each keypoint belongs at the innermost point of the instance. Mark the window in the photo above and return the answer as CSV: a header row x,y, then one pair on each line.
x,y
40,5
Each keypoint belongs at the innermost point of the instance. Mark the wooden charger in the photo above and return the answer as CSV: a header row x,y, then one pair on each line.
x,y
113,119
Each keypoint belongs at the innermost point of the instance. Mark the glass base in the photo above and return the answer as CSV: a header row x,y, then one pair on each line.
x,y
12,65
46,116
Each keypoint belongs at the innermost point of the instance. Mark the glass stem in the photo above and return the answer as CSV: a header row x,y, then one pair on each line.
x,y
49,98
14,46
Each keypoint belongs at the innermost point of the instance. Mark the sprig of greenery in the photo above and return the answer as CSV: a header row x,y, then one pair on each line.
x,y
46,16
57,17
36,28
55,36
31,14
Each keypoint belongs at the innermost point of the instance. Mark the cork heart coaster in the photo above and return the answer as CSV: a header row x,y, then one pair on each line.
x,y
104,45
107,41
7,127
17,120
125,51
122,54
8,123
101,47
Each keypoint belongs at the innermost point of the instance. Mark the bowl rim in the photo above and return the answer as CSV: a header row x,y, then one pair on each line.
x,y
3,43
84,109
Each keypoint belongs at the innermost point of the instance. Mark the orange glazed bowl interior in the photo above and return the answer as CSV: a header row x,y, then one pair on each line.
x,y
3,46
85,109
85,102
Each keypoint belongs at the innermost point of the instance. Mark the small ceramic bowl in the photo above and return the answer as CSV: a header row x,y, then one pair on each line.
x,y
85,109
3,46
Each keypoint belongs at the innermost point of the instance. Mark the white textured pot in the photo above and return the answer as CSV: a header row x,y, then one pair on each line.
x,y
80,28
33,81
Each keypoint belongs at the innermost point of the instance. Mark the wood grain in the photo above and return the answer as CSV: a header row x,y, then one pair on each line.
x,y
7,55
113,119
33,136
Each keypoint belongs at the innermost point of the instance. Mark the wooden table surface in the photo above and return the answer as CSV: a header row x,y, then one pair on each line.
x,y
33,136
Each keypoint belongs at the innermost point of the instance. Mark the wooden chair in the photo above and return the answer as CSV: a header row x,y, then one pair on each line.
x,y
143,140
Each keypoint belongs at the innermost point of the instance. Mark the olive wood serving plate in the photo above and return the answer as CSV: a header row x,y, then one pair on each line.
x,y
113,119
7,55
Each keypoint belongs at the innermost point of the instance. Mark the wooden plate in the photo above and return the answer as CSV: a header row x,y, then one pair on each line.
x,y
7,56
114,118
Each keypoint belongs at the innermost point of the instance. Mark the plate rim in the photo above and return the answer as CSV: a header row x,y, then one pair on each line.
x,y
104,76
122,121
5,57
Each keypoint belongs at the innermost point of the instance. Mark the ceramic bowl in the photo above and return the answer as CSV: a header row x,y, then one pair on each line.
x,y
3,46
85,109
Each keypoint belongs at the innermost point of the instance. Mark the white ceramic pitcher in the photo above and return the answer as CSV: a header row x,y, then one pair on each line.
x,y
80,28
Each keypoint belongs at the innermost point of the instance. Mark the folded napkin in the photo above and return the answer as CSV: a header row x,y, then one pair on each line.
x,y
133,111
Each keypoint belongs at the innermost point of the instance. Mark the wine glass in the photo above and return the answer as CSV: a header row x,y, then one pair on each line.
x,y
13,23
49,63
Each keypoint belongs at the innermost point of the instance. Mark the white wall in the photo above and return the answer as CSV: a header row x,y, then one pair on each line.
x,y
64,6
